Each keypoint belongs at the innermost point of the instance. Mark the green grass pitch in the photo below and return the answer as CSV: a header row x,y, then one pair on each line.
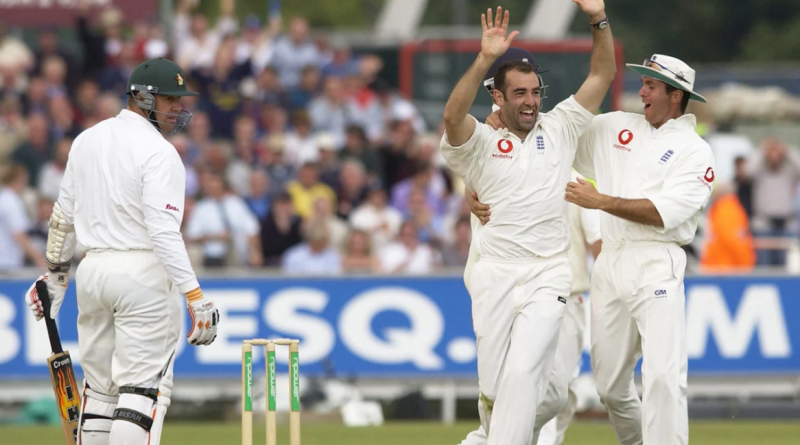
x,y
416,433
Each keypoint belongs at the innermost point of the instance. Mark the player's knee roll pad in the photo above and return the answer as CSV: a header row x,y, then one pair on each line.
x,y
135,406
95,421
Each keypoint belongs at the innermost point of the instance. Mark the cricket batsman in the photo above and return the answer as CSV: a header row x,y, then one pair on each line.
x,y
521,281
122,198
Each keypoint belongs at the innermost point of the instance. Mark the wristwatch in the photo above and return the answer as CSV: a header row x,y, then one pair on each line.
x,y
601,24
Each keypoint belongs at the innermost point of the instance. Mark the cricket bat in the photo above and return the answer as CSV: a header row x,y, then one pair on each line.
x,y
61,373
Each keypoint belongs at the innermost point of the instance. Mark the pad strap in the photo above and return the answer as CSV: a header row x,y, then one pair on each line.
x,y
135,417
150,393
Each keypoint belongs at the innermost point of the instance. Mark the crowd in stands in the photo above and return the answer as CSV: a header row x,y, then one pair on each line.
x,y
298,156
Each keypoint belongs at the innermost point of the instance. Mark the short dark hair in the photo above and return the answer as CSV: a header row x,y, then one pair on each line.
x,y
511,65
684,100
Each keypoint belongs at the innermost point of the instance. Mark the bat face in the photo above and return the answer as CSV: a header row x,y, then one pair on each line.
x,y
66,391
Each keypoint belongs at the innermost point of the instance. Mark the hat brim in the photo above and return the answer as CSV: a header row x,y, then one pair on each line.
x,y
658,75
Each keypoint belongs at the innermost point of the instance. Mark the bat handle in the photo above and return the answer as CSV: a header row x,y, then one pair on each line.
x,y
52,329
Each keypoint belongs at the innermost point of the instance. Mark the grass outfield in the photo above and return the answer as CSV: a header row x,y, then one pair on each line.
x,y
580,433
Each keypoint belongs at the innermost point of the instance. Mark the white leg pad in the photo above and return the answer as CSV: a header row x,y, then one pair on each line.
x,y
95,422
133,411
158,423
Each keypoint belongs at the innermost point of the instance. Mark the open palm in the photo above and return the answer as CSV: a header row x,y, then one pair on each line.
x,y
591,7
494,42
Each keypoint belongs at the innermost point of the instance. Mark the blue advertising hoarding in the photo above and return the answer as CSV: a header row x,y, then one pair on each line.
x,y
414,327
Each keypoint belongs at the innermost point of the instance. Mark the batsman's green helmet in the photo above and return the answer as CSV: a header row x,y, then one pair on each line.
x,y
159,76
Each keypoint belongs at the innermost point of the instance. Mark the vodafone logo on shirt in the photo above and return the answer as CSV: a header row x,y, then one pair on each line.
x,y
708,178
504,146
624,137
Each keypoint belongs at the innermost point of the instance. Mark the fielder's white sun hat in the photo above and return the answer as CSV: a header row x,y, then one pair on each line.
x,y
670,70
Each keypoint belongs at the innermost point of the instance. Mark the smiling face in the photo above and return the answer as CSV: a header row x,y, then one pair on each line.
x,y
519,99
659,105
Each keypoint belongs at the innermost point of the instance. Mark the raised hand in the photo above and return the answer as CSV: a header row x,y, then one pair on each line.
x,y
494,42
592,8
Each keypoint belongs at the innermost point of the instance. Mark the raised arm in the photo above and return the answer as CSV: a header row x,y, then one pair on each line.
x,y
603,65
458,124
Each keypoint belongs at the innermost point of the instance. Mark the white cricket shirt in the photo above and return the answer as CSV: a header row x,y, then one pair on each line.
x,y
522,181
584,225
124,189
672,166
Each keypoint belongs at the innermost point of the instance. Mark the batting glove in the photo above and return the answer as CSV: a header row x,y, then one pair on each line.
x,y
56,288
205,318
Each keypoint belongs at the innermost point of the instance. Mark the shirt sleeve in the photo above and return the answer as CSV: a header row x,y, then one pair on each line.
x,y
464,158
590,223
686,188
66,194
163,192
573,120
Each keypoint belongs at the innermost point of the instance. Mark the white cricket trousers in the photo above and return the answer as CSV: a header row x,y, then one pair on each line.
x,y
517,308
570,348
129,320
638,309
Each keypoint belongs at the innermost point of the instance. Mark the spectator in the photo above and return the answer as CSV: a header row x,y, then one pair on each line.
x,y
377,218
395,108
35,98
224,225
429,225
14,54
99,49
744,185
330,112
280,171
775,172
408,255
299,97
62,118
294,52
54,73
53,172
219,88
196,46
328,160
114,78
394,154
155,46
281,230
85,104
181,144
307,189
12,126
456,254
199,130
40,230
358,256
304,143
356,146
268,89
247,157
36,152
342,64
315,256
14,223
257,198
421,180
108,106
255,42
363,107
352,190
729,244
337,229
